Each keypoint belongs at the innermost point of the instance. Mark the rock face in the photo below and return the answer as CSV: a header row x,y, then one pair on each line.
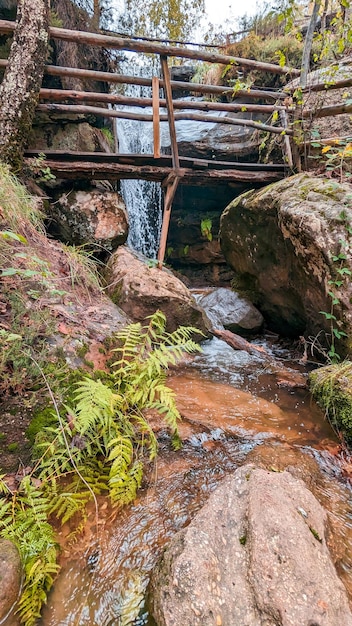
x,y
93,217
10,576
255,555
140,290
289,243
226,309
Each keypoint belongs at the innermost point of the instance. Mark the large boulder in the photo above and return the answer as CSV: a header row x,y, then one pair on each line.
x,y
255,555
140,289
93,217
226,309
10,577
290,245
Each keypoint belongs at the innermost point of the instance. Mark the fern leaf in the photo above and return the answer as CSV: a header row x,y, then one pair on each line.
x,y
123,488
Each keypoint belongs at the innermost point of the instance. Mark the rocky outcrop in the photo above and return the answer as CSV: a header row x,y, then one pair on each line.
x,y
255,555
91,217
290,244
56,133
10,577
139,290
226,309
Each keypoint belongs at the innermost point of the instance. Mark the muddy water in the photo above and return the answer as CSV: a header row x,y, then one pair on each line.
x,y
234,411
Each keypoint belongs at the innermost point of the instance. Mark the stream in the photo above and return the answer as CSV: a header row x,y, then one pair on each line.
x,y
234,411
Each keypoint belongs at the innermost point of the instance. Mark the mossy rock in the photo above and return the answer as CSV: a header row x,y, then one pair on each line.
x,y
331,387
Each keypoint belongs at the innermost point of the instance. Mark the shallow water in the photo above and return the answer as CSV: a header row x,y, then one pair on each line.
x,y
234,412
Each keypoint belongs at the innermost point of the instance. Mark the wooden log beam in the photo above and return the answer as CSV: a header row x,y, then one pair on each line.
x,y
334,109
116,171
122,43
114,78
88,110
145,159
329,85
61,95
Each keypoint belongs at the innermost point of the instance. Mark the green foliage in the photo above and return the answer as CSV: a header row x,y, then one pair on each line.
x,y
38,170
205,228
331,386
342,273
27,338
83,267
99,445
108,136
173,19
23,520
102,443
18,209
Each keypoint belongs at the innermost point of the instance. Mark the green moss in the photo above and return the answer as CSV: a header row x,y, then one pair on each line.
x,y
331,387
13,447
42,419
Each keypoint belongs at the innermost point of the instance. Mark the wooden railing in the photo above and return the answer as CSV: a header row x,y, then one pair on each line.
x,y
87,102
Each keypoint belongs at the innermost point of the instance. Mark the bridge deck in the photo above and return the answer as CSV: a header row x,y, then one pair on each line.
x,y
195,171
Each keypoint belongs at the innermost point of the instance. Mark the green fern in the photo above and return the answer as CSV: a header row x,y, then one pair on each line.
x,y
99,445
24,521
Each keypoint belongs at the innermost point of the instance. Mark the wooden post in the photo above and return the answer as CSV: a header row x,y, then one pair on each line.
x,y
170,111
287,144
171,187
156,117
169,196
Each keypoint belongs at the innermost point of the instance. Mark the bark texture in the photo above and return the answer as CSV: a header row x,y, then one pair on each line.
x,y
19,91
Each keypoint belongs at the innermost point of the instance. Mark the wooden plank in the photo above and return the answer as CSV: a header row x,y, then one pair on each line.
x,y
144,159
115,78
117,171
89,110
57,95
122,43
156,117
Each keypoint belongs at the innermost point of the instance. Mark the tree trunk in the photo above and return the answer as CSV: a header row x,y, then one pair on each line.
x,y
19,91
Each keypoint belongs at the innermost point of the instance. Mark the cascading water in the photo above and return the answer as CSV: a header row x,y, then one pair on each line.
x,y
142,198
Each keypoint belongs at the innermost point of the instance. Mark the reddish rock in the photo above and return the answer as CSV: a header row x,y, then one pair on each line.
x,y
92,217
255,555
140,289
10,577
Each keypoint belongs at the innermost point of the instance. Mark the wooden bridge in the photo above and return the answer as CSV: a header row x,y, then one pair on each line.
x,y
174,169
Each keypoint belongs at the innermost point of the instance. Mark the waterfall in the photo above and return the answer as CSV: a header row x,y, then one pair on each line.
x,y
142,198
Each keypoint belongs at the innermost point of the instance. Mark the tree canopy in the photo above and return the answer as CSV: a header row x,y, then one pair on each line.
x,y
169,19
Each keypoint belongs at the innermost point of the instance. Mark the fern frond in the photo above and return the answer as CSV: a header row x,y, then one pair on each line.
x,y
94,401
130,338
166,406
124,487
32,534
67,504
147,437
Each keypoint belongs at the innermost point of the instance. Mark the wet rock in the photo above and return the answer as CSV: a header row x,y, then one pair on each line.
x,y
10,576
139,290
226,309
65,135
93,217
255,555
284,242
